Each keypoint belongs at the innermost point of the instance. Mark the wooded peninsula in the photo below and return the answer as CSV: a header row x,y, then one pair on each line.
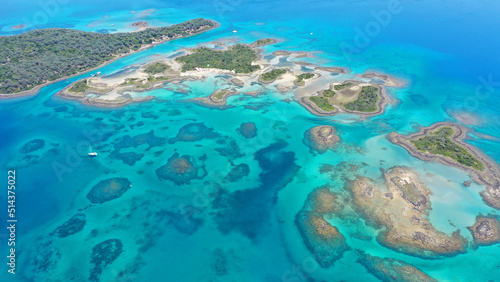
x,y
42,56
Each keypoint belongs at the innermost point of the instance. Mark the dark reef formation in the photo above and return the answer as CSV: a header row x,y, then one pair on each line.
x,y
393,270
72,226
104,254
229,149
247,130
248,211
108,189
181,169
193,132
322,239
32,146
321,138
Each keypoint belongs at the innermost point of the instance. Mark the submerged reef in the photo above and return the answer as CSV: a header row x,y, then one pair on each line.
x,y
193,132
322,239
32,146
133,142
109,189
248,211
104,254
393,270
72,226
237,172
486,230
229,149
181,169
321,138
401,211
247,130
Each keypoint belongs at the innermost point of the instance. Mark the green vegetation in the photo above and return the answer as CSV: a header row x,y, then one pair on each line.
x,y
366,102
328,93
79,87
342,86
322,103
304,76
439,143
156,68
157,78
220,94
264,41
272,75
44,55
239,58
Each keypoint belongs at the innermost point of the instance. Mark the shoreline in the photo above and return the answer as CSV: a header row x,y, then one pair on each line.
x,y
490,177
37,88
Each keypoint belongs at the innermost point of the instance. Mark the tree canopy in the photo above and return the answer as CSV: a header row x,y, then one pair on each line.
x,y
44,55
238,57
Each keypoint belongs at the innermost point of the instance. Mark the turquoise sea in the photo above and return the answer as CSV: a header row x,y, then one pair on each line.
x,y
213,229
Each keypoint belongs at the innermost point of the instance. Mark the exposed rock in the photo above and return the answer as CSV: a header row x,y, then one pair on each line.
x,y
248,130
393,270
321,138
400,209
486,230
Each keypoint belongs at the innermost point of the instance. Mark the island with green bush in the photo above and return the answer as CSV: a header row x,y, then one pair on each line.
x,y
352,96
238,57
443,142
36,58
301,78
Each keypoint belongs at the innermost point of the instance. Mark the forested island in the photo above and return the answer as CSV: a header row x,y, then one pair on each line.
x,y
443,142
42,56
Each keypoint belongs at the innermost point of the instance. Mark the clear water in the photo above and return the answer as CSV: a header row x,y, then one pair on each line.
x,y
444,49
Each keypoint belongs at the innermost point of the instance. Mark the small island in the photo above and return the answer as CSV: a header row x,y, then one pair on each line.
x,y
486,230
218,98
19,26
393,270
140,24
356,97
443,142
321,238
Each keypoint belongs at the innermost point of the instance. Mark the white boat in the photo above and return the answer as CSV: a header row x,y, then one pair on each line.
x,y
234,31
91,153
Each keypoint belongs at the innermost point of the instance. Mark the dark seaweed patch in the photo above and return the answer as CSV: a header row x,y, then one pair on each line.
x,y
108,189
72,226
104,254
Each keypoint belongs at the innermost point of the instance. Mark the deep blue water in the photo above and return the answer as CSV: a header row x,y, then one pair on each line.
x,y
446,50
